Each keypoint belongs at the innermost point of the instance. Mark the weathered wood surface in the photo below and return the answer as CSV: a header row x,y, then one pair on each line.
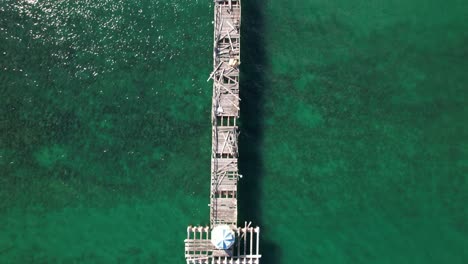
x,y
224,164
219,166
225,141
201,251
224,211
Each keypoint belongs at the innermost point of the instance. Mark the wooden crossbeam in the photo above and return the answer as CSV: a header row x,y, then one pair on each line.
x,y
213,72
229,91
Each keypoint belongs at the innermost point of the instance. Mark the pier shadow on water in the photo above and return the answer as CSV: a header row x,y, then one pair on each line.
x,y
253,86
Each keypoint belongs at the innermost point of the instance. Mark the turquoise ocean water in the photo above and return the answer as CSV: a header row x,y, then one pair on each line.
x,y
354,135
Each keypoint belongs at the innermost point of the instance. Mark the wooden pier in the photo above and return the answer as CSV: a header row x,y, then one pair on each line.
x,y
224,169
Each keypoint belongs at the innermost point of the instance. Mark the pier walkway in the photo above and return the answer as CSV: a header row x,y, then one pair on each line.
x,y
199,248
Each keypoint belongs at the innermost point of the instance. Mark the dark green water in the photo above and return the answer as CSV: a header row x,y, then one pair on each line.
x,y
354,142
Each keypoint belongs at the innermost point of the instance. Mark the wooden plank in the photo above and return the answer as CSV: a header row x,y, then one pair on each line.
x,y
213,73
224,88
222,253
225,165
225,140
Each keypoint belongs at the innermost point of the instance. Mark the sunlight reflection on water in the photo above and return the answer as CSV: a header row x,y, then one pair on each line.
x,y
90,38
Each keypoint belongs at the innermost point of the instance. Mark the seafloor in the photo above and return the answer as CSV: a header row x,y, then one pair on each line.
x,y
354,142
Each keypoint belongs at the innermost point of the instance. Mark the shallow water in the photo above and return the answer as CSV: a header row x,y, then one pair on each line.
x,y
353,137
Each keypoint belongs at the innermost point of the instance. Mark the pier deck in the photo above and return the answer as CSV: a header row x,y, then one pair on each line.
x,y
224,165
